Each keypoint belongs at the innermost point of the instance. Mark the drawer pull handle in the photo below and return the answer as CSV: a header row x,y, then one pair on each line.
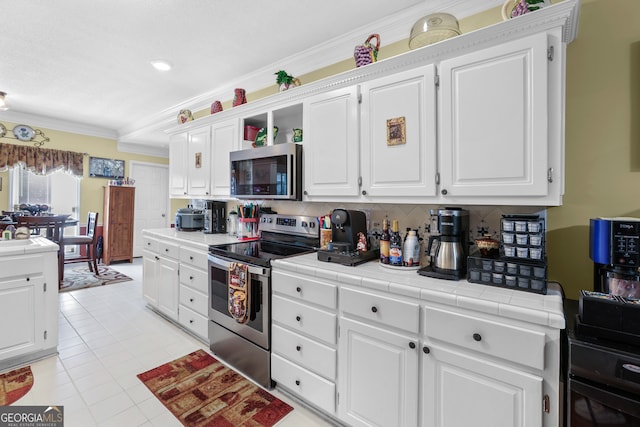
x,y
298,318
297,382
190,299
157,259
412,345
477,337
426,350
298,289
374,309
298,348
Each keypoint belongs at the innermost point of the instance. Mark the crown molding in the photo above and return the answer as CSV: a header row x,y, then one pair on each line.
x,y
144,149
57,124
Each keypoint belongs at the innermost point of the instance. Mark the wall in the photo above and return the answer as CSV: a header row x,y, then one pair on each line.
x,y
91,192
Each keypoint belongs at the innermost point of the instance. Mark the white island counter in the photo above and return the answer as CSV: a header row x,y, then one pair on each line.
x,y
28,300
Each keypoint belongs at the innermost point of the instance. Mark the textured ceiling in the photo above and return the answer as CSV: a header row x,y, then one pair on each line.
x,y
78,64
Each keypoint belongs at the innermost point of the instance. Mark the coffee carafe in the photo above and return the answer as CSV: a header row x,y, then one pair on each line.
x,y
449,248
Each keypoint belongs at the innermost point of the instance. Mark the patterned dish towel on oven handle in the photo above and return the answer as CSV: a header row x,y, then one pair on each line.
x,y
239,292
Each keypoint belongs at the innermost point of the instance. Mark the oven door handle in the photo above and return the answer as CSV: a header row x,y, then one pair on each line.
x,y
223,263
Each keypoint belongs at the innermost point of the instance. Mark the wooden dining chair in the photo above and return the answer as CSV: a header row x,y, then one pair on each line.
x,y
89,240
53,228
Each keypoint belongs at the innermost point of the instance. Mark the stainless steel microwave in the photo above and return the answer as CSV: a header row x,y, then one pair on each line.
x,y
271,172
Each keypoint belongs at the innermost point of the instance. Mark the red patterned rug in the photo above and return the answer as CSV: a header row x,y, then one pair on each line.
x,y
202,392
81,277
15,384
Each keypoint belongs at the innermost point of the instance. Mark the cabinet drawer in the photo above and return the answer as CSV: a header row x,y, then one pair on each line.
x,y
309,386
22,266
511,343
389,311
193,321
150,244
194,300
194,257
196,278
303,318
167,249
305,352
304,288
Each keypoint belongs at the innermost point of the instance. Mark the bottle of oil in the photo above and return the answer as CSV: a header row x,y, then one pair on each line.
x,y
395,245
384,242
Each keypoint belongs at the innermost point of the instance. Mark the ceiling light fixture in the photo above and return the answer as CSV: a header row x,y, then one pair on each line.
x,y
3,103
161,65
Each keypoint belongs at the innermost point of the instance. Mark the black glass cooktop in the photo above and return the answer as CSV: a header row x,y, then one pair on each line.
x,y
257,252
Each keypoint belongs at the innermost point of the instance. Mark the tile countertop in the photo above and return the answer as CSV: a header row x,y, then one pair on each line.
x,y
546,310
196,239
27,246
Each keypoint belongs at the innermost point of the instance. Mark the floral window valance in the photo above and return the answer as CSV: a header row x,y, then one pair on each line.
x,y
41,161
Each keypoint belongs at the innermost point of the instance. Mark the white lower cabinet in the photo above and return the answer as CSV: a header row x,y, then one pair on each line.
x,y
378,371
193,309
160,279
304,338
460,388
28,306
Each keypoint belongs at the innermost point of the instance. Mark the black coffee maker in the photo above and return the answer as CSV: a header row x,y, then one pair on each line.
x,y
450,247
215,217
349,242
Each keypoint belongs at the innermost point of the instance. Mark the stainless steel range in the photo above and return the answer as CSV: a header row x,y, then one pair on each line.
x,y
247,345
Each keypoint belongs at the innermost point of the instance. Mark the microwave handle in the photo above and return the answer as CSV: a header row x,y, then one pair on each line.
x,y
224,264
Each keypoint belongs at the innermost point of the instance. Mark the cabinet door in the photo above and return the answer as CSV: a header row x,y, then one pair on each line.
x,y
149,277
168,285
22,313
178,165
198,160
331,152
459,389
399,134
494,121
225,139
378,376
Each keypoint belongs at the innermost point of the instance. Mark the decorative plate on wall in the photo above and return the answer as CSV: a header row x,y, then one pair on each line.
x,y
24,133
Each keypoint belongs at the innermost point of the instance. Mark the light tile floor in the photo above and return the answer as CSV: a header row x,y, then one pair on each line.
x,y
108,336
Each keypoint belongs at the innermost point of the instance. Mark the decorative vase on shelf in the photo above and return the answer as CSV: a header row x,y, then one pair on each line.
x,y
216,107
239,97
513,8
184,116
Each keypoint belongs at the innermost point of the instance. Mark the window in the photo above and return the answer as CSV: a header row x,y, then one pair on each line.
x,y
59,190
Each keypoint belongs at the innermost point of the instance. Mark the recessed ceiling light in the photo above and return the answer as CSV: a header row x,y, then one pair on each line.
x,y
161,65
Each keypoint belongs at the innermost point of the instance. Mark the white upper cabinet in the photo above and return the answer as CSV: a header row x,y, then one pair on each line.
x,y
494,117
225,138
178,165
330,149
398,135
198,158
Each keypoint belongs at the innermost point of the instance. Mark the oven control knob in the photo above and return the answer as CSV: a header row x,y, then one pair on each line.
x,y
312,225
304,224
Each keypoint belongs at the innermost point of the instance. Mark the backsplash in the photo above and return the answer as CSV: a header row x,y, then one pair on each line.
x,y
482,219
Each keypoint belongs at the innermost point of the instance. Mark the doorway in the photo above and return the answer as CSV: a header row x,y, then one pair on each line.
x,y
152,202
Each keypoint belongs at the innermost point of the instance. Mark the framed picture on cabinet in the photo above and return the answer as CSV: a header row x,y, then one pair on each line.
x,y
396,131
106,168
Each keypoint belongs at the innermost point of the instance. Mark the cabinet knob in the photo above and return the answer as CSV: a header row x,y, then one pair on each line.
x,y
298,348
156,257
28,279
426,350
305,192
166,250
444,192
412,344
185,193
298,289
297,382
190,321
190,277
374,309
190,258
364,192
148,243
298,318
190,299
477,337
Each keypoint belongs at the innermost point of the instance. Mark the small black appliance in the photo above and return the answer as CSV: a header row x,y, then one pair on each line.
x,y
349,242
215,217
